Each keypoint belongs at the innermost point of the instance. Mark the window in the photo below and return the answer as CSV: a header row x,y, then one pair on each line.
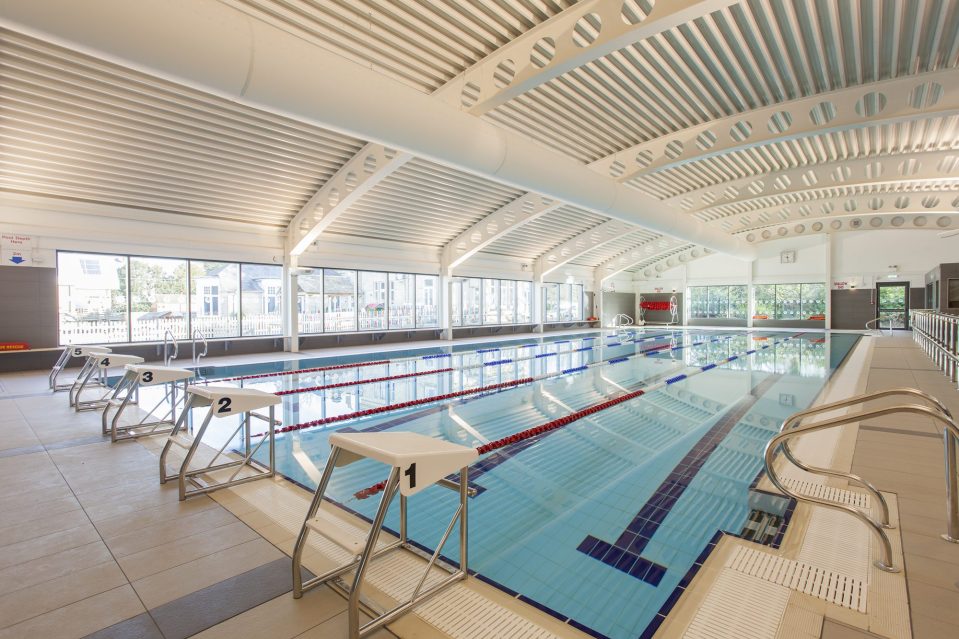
x,y
524,302
402,300
92,291
507,299
427,293
551,302
261,299
813,300
472,302
576,302
158,299
339,300
215,298
738,302
309,300
456,303
371,301
491,301
765,295
790,301
718,302
565,303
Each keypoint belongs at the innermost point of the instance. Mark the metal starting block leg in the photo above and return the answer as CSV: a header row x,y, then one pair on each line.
x,y
174,382
68,353
224,401
97,366
416,462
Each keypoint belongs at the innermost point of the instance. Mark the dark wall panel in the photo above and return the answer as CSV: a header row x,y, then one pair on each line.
x,y
616,303
28,299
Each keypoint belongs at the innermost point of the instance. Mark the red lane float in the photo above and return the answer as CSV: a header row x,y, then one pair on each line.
x,y
373,380
410,404
522,435
304,370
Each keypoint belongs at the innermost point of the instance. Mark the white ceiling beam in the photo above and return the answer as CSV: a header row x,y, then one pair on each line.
x,y
578,246
894,201
373,164
927,165
851,108
872,221
639,254
663,264
521,211
567,41
839,195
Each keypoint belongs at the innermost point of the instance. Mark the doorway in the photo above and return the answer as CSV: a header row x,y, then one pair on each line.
x,y
892,307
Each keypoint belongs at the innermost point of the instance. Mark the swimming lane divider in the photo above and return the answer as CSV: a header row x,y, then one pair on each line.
x,y
373,380
468,391
499,362
406,359
586,412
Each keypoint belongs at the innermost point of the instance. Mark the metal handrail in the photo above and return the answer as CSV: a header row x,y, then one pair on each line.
x,y
794,419
938,335
206,346
168,339
879,327
790,430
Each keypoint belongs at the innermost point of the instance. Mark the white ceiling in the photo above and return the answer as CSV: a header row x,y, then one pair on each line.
x,y
712,116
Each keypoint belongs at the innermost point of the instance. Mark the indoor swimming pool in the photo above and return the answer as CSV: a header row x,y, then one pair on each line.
x,y
599,521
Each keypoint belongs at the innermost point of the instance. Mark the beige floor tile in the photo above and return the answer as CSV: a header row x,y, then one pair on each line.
x,y
40,526
179,581
25,603
339,626
40,510
931,547
935,602
126,523
926,627
163,532
147,495
53,566
29,498
47,545
181,551
281,618
81,618
833,630
16,434
932,572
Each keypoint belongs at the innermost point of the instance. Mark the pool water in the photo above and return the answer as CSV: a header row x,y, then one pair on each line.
x,y
596,522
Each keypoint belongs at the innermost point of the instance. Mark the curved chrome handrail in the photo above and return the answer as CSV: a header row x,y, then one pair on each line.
x,y
206,345
168,339
939,414
794,419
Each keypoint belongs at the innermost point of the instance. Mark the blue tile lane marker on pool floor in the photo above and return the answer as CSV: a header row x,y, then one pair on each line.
x,y
625,553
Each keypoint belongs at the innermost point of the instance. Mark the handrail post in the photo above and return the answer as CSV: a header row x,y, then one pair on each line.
x,y
952,487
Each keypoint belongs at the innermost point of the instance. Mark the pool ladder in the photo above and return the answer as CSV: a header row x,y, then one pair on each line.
x,y
792,429
170,347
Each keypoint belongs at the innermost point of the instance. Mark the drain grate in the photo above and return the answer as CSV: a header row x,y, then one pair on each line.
x,y
828,585
739,606
838,495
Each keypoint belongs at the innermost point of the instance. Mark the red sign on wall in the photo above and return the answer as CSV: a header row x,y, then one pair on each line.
x,y
14,346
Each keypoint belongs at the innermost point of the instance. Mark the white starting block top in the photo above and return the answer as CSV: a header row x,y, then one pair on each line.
x,y
87,351
229,400
152,375
109,360
423,460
